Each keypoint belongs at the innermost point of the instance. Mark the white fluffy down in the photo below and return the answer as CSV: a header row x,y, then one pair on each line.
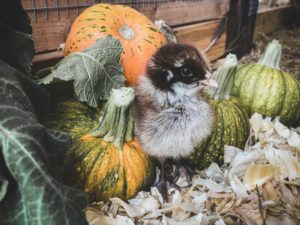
x,y
175,122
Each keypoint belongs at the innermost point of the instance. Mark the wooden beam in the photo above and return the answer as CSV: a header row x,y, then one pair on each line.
x,y
44,57
200,35
240,27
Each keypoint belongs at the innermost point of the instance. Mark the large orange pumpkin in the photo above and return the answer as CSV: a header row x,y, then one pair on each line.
x,y
138,35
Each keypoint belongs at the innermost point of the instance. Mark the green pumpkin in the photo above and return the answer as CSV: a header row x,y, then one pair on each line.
x,y
232,122
265,89
104,160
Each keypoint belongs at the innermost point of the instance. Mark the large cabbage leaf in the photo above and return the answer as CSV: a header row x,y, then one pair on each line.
x,y
31,157
16,44
95,71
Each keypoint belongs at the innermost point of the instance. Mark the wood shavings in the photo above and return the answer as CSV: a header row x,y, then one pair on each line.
x,y
132,211
257,175
285,162
220,222
256,186
149,204
214,172
122,220
237,186
294,140
241,159
211,185
199,219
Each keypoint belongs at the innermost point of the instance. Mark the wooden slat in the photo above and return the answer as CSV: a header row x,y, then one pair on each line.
x,y
269,20
200,36
48,56
49,35
176,14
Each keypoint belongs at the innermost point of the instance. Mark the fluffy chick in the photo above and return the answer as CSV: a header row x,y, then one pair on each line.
x,y
171,114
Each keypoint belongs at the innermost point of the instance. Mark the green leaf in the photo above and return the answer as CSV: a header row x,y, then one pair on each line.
x,y
16,42
31,157
34,156
3,187
95,71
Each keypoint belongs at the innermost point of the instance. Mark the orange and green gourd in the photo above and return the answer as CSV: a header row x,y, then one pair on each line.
x,y
139,37
231,123
104,160
266,89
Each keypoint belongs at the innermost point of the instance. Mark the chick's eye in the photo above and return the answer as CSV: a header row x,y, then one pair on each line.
x,y
185,71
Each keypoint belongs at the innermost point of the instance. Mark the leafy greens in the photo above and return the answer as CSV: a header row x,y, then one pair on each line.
x,y
95,71
30,155
16,44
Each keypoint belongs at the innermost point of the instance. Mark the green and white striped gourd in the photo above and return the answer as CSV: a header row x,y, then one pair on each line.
x,y
232,122
264,88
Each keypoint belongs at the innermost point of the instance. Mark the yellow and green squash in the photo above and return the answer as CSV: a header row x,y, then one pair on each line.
x,y
104,160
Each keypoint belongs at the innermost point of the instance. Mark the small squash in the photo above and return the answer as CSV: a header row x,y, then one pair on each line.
x,y
265,89
232,122
105,160
138,35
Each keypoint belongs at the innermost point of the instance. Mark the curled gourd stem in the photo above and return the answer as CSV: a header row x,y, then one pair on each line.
x,y
272,55
116,125
225,76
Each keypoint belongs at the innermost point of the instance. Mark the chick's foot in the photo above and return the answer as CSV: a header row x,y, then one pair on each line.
x,y
167,174
181,169
160,180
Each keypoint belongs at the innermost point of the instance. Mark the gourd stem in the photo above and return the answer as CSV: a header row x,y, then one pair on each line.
x,y
225,76
43,72
272,55
116,125
47,70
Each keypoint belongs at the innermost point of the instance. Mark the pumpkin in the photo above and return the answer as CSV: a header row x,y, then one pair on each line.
x,y
232,122
265,89
138,35
104,160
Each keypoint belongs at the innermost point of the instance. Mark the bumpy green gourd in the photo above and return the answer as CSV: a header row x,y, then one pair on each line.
x,y
265,89
232,122
104,160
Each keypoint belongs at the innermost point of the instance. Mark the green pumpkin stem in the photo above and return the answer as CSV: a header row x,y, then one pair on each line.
x,y
224,76
272,55
116,125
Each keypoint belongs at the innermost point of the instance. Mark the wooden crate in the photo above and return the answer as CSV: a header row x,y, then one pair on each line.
x,y
194,21
51,19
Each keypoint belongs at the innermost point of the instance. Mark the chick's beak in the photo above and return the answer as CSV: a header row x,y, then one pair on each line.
x,y
209,81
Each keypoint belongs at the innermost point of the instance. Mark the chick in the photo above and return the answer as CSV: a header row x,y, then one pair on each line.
x,y
171,114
